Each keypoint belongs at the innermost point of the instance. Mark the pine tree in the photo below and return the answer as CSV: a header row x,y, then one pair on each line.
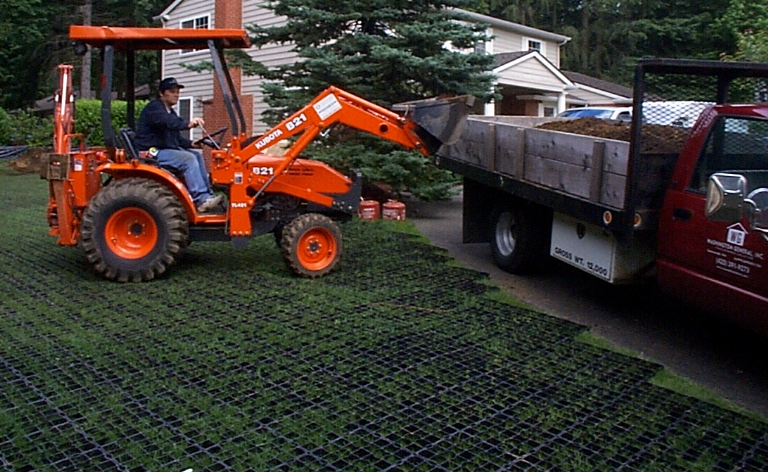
x,y
387,51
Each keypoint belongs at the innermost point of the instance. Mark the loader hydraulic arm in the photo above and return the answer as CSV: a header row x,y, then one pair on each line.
x,y
330,107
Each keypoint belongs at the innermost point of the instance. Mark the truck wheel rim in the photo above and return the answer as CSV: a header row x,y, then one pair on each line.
x,y
505,237
316,249
131,233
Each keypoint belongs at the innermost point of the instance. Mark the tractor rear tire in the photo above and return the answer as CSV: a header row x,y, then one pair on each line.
x,y
311,245
133,230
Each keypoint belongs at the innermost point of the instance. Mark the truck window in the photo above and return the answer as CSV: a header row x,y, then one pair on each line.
x,y
734,144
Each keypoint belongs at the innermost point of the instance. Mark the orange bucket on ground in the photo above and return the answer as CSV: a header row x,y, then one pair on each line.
x,y
393,210
368,210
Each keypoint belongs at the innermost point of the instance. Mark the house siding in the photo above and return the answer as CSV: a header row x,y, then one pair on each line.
x,y
526,78
271,55
508,41
531,73
197,85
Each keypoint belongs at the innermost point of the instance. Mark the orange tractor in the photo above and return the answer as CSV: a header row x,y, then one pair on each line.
x,y
134,219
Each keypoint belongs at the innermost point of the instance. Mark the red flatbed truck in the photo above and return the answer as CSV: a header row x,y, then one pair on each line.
x,y
692,215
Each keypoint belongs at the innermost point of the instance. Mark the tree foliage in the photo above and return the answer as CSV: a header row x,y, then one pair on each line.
x,y
385,51
607,38
34,39
747,21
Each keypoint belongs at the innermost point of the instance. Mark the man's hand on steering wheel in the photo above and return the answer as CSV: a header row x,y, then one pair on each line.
x,y
207,138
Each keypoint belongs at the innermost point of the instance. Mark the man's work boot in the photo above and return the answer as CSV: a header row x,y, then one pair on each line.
x,y
209,203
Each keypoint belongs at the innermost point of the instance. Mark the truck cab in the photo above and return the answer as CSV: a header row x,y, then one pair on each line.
x,y
717,258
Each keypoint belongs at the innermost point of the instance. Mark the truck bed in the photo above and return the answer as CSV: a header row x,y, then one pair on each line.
x,y
585,168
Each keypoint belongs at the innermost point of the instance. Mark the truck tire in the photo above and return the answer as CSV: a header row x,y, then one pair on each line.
x,y
133,230
311,245
519,238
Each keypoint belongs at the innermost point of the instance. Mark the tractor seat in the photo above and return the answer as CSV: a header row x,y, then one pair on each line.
x,y
126,141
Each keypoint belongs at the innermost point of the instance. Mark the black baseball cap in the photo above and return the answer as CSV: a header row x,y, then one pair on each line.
x,y
169,83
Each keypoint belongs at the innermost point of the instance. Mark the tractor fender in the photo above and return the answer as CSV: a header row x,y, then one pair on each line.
x,y
158,174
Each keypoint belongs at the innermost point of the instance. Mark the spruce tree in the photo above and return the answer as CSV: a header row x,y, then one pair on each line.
x,y
386,51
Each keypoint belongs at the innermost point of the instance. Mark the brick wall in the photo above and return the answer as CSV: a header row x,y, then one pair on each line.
x,y
228,14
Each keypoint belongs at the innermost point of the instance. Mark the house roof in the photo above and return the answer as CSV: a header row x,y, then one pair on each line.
x,y
167,10
507,57
610,90
508,60
592,82
514,27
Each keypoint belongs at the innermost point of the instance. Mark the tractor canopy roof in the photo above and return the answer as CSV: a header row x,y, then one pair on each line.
x,y
125,38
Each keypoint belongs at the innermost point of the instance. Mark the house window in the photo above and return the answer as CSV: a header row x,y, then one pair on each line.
x,y
549,111
201,22
184,109
530,44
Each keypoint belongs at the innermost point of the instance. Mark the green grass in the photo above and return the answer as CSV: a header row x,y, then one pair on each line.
x,y
398,360
664,378
602,343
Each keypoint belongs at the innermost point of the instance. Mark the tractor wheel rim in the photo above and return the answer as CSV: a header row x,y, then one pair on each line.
x,y
316,249
131,233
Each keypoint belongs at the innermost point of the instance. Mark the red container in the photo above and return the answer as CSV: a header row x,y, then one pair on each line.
x,y
368,210
393,210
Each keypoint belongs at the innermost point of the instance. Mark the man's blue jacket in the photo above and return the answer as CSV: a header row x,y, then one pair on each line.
x,y
160,128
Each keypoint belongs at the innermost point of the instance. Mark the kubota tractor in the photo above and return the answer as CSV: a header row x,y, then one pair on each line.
x,y
134,218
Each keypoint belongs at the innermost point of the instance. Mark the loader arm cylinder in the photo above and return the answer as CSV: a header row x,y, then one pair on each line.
x,y
330,107
334,105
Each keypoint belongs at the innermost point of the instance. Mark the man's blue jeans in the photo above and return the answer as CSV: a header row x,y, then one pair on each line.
x,y
189,163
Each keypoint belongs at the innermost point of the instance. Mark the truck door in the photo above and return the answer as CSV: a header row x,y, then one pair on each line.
x,y
718,265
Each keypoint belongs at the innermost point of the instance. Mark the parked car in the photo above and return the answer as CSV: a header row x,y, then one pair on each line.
x,y
605,113
680,113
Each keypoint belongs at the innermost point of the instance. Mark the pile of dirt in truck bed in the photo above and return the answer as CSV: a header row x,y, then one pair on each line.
x,y
656,139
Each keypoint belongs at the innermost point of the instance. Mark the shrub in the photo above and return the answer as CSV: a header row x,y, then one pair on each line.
x,y
23,128
6,127
402,170
88,118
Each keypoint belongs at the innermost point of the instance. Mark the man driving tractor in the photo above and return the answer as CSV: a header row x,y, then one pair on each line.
x,y
159,132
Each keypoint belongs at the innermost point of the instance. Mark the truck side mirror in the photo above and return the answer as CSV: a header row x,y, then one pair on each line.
x,y
725,197
757,208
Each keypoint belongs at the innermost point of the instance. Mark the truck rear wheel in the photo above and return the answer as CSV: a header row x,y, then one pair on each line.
x,y
311,245
519,238
133,230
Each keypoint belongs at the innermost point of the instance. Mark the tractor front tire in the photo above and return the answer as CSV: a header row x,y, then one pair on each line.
x,y
311,245
133,230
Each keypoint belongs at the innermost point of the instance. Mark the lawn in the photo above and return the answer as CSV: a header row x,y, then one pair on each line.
x,y
399,360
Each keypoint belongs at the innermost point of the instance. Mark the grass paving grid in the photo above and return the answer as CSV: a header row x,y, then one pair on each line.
x,y
395,362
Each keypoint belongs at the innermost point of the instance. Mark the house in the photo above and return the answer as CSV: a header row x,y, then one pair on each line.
x,y
527,66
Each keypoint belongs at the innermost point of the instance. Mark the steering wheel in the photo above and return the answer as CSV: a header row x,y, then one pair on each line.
x,y
208,140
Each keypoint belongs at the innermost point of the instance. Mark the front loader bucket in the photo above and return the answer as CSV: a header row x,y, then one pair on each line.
x,y
440,120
